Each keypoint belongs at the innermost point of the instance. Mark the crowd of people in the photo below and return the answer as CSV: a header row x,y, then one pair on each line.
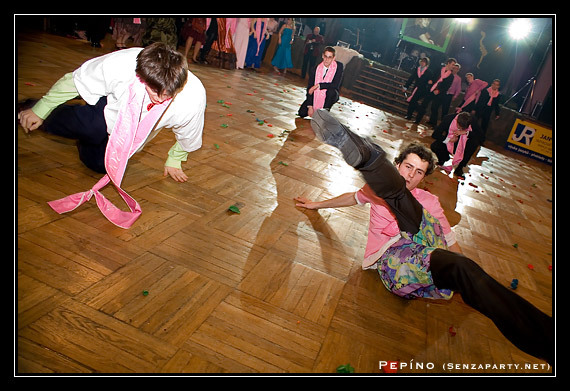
x,y
130,97
460,133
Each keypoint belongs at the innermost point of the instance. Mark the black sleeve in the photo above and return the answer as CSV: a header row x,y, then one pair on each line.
x,y
412,78
445,84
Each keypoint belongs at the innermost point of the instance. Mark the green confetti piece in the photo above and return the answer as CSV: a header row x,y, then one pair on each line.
x,y
217,146
145,292
516,245
234,209
347,368
250,111
224,125
283,163
221,101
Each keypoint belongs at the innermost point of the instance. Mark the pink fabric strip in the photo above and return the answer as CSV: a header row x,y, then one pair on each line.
x,y
319,95
420,74
444,73
492,94
472,94
260,35
127,136
458,155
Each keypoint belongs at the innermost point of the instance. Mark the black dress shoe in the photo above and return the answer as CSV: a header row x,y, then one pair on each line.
x,y
458,172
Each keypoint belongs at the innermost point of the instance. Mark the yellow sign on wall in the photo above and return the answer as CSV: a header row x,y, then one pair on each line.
x,y
532,140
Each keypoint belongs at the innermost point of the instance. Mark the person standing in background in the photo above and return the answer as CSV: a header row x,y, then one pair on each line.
x,y
193,32
453,92
282,58
420,79
312,49
241,39
256,43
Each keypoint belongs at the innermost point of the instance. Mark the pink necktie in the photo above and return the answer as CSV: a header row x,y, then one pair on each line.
x,y
127,136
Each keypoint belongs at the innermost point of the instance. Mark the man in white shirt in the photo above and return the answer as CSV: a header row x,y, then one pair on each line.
x,y
103,83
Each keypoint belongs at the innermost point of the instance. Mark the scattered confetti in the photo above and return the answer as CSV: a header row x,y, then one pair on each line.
x,y
145,292
234,209
516,245
514,283
391,367
283,163
531,267
347,368
216,146
224,125
452,331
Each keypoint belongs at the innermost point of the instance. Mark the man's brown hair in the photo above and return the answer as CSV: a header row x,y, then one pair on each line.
x,y
162,68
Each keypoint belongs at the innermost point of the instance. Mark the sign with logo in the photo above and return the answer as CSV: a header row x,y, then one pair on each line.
x,y
532,140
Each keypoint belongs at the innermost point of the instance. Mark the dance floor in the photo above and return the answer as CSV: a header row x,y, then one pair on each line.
x,y
193,287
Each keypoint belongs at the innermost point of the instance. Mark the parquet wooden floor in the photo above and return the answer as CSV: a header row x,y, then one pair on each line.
x,y
274,289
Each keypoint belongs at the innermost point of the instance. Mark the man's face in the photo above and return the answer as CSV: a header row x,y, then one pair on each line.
x,y
328,58
154,96
469,78
413,169
495,85
449,66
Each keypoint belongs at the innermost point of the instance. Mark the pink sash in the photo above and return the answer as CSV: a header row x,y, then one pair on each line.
x,y
127,136
319,95
260,34
420,74
477,85
458,155
492,94
444,73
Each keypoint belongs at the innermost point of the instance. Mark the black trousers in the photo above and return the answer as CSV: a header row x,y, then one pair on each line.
x,y
528,328
413,105
422,108
86,124
523,324
330,99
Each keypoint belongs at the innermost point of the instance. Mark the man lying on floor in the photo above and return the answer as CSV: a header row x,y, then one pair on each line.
x,y
411,243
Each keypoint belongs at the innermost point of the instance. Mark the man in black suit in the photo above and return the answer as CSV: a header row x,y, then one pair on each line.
x,y
439,85
324,84
419,78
